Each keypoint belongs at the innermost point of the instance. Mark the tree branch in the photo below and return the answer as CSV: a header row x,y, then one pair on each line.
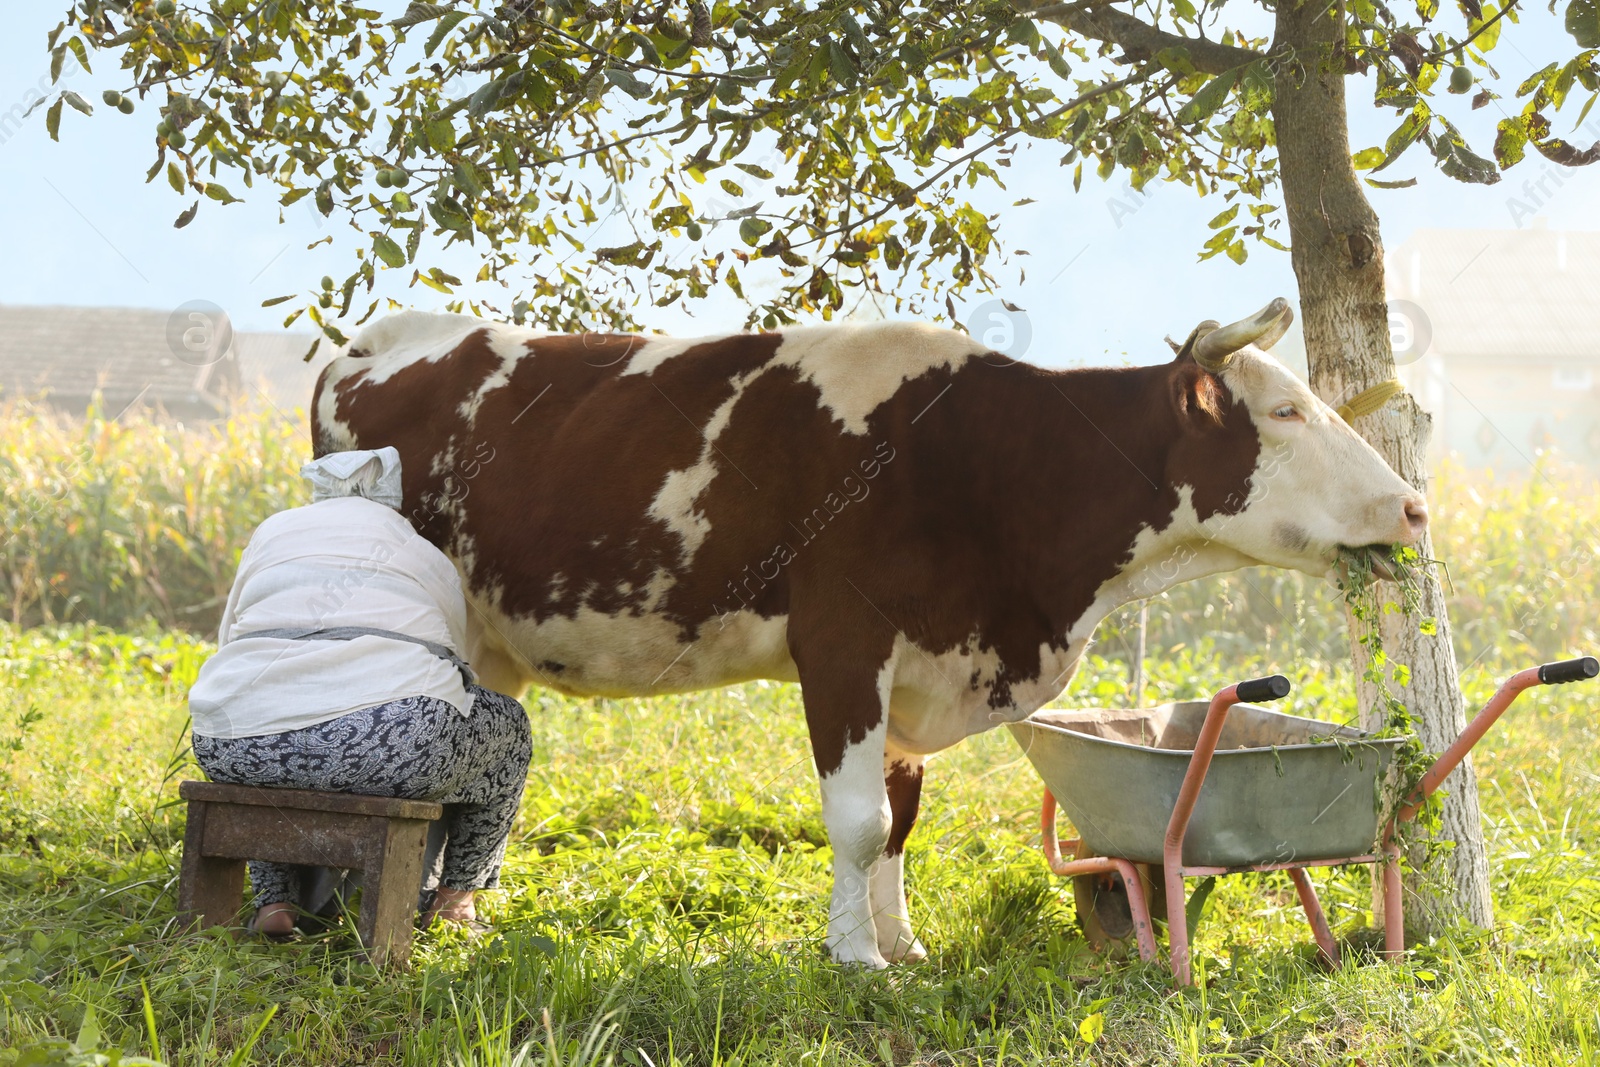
x,y
1139,39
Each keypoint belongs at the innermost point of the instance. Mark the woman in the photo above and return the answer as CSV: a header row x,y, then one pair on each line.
x,y
336,671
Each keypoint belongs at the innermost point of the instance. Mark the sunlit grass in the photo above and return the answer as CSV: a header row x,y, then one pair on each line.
x,y
667,886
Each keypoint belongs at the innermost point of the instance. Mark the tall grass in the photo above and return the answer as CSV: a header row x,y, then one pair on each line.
x,y
119,520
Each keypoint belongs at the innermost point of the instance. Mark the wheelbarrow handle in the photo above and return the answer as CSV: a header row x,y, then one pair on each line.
x,y
1569,670
1273,687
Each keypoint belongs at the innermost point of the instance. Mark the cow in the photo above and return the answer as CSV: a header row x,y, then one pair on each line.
x,y
920,531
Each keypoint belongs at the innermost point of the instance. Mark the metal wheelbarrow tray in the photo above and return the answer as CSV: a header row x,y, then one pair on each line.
x,y
1280,788
1140,787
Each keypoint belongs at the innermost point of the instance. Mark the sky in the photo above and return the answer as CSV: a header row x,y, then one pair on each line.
x,y
1109,272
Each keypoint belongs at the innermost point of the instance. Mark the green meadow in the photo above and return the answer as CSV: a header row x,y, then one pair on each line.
x,y
667,881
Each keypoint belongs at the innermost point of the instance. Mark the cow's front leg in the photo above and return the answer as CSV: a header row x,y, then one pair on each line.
x,y
855,807
847,706
891,917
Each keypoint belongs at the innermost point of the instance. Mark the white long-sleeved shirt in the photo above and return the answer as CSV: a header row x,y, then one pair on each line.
x,y
341,562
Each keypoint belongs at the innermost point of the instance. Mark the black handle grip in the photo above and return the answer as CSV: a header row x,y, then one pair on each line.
x,y
1569,670
1258,689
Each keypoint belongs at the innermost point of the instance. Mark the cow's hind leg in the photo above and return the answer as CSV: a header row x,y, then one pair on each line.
x,y
891,917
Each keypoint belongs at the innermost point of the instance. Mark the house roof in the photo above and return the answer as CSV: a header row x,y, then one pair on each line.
x,y
273,366
128,355
1530,294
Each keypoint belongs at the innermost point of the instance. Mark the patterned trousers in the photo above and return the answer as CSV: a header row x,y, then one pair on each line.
x,y
419,748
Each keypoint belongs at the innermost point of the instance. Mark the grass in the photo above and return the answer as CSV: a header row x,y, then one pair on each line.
x,y
667,883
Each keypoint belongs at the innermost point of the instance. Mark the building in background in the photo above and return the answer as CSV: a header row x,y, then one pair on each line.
x,y
186,364
1498,336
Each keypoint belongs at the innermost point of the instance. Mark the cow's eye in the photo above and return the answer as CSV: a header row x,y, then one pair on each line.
x,y
1286,412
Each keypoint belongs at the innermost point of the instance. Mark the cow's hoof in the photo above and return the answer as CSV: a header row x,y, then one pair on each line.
x,y
867,956
906,952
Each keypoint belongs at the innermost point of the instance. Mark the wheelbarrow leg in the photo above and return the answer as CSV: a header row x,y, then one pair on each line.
x,y
1143,929
1394,916
1314,916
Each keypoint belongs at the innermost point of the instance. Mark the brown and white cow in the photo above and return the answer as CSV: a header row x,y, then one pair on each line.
x,y
921,532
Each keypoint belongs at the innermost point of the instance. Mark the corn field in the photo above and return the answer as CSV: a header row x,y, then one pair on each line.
x,y
121,522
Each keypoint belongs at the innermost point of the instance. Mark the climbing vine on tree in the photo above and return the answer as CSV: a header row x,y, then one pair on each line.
x,y
837,144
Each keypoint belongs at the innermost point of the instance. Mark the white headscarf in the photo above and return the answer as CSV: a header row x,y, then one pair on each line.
x,y
374,475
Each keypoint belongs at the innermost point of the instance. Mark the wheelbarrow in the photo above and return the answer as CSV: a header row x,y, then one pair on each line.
x,y
1284,794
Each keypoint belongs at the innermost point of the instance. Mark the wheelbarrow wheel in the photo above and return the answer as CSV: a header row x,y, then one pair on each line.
x,y
1102,903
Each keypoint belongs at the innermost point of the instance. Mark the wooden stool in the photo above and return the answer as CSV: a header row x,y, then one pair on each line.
x,y
380,836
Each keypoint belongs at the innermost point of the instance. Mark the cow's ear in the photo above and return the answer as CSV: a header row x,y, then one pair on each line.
x,y
1197,397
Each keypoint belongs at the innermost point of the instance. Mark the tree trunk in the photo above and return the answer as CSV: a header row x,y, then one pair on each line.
x,y
1338,261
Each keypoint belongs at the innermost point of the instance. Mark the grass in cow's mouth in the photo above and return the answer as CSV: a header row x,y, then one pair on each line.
x,y
666,889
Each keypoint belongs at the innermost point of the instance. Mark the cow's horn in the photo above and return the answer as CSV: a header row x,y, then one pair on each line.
x,y
1215,348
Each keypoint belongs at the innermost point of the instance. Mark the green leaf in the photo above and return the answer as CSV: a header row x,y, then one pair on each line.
x,y
52,120
752,229
1205,103
840,64
625,80
384,248
1413,126
1195,907
1224,218
540,91
1367,158
88,1039
1490,35
484,99
446,24
1024,32
187,217
441,134
1583,22
276,300
467,178
1058,63
1459,161
647,47
1511,140
219,193
79,104
790,74
450,215
1403,183
416,13
175,177
76,44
